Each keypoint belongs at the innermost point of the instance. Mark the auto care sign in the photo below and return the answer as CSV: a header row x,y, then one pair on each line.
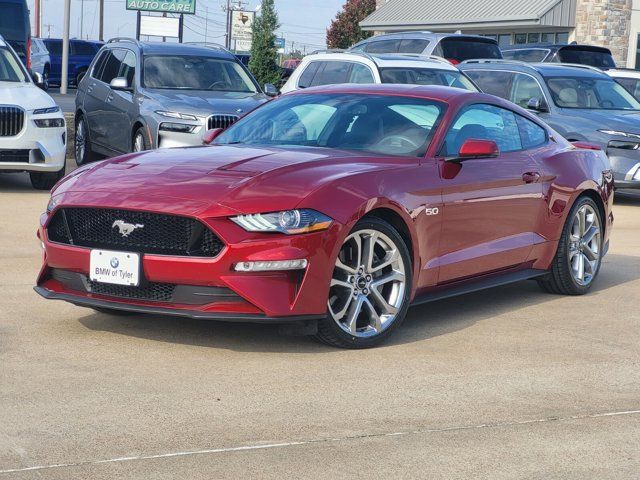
x,y
241,30
171,6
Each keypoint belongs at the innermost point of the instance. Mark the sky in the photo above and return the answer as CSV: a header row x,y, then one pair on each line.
x,y
302,22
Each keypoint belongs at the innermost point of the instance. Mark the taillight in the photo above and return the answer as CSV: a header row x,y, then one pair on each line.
x,y
28,53
453,61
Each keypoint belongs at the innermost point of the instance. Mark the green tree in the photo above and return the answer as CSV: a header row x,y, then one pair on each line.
x,y
264,53
345,29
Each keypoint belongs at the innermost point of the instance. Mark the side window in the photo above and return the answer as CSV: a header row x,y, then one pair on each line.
x,y
333,72
54,47
484,122
492,81
631,85
532,135
128,67
97,67
524,89
383,46
81,48
307,76
112,66
360,74
414,45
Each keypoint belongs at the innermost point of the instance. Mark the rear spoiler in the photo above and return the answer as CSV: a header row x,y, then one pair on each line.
x,y
586,146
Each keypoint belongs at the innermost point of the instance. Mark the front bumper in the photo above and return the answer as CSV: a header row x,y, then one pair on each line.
x,y
274,297
34,149
625,164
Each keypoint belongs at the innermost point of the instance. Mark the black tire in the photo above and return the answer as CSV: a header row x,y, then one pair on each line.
x,y
84,155
45,78
561,280
331,333
139,136
45,180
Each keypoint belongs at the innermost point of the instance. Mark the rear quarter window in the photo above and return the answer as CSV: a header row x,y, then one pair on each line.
x,y
526,54
383,46
492,82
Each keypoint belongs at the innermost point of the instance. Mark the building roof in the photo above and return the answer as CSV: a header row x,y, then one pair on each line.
x,y
455,14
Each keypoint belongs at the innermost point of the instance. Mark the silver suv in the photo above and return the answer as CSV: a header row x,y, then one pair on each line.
x,y
455,47
140,95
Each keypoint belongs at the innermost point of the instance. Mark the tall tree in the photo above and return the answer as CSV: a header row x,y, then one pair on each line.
x,y
345,29
264,53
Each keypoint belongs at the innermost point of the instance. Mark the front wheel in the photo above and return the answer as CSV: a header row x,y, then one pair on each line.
x,y
139,141
45,180
370,287
577,261
82,143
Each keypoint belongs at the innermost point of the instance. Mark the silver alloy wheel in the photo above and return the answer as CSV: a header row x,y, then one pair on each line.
x,y
80,142
584,245
368,284
138,143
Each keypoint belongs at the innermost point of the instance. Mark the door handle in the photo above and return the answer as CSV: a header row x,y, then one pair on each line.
x,y
90,88
110,97
530,177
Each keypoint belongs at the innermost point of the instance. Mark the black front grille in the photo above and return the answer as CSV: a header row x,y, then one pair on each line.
x,y
134,231
220,121
155,292
11,120
14,156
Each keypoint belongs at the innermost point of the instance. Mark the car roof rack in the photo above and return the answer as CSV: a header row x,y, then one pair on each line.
x,y
435,58
211,45
123,39
580,65
495,60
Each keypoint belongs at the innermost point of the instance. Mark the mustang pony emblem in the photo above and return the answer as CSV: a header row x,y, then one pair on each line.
x,y
126,228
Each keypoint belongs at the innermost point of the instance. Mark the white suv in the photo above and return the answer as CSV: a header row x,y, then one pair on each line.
x,y
628,78
32,127
332,68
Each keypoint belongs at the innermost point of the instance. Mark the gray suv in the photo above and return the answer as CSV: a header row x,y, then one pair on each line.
x,y
139,95
581,103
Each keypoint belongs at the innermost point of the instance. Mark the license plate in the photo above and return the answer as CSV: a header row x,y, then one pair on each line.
x,y
119,268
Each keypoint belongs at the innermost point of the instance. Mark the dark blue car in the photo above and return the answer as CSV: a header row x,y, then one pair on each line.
x,y
81,53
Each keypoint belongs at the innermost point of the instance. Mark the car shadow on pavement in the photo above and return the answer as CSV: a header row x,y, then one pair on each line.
x,y
422,323
19,182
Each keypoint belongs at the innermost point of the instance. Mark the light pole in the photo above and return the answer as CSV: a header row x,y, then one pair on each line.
x,y
64,77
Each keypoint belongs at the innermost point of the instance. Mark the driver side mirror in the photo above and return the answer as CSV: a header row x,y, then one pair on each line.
x,y
37,78
473,148
210,135
270,90
120,83
537,105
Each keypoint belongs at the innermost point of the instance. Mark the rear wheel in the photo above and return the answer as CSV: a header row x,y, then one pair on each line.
x,y
370,287
82,146
45,180
577,261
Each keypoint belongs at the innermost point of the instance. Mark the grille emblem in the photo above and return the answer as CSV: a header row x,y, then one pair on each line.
x,y
126,228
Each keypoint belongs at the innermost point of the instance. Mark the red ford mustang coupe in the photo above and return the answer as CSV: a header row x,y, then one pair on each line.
x,y
337,208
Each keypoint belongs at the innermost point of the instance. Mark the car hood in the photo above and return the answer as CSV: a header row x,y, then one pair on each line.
x,y
25,95
203,102
624,120
216,179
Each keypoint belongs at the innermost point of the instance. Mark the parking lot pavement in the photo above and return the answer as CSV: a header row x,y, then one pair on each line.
x,y
506,383
66,102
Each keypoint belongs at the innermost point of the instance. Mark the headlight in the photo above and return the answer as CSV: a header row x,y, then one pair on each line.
x,y
53,203
620,134
288,221
42,111
177,127
49,122
181,116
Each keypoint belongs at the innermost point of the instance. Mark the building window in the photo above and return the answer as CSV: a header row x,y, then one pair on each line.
x,y
548,38
562,37
504,39
533,38
520,38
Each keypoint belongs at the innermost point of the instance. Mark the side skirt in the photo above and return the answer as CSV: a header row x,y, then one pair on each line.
x,y
476,285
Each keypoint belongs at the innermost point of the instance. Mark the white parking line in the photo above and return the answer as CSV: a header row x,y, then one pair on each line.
x,y
319,440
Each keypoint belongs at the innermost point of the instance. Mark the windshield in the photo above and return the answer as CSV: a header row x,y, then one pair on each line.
x,y
526,55
461,49
586,57
10,70
426,76
196,73
391,125
590,93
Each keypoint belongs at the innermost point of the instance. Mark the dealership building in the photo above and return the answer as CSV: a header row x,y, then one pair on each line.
x,y
614,24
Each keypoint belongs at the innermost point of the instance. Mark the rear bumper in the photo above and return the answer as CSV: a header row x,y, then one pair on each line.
x,y
82,301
